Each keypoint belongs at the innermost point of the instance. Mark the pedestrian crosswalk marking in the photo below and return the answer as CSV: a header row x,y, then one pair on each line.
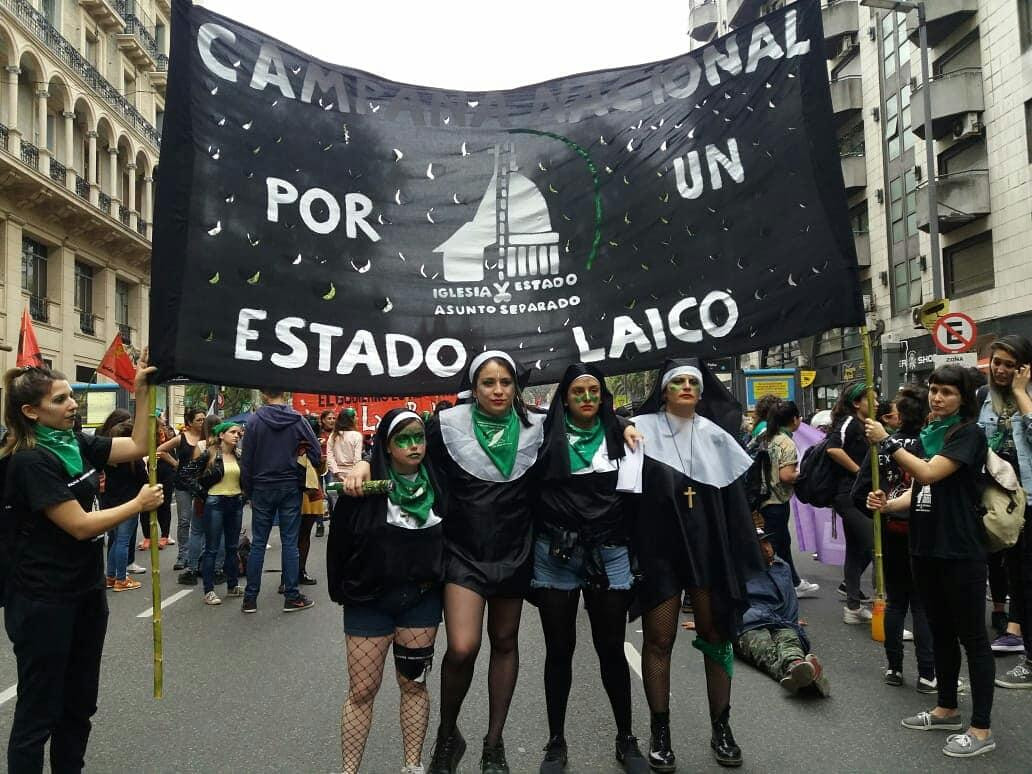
x,y
166,602
9,694
633,658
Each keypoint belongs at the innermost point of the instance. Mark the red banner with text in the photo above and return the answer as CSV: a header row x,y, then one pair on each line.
x,y
368,410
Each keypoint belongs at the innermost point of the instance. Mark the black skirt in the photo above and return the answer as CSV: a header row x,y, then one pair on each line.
x,y
689,535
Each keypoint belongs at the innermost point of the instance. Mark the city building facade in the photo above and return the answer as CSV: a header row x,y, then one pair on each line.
x,y
980,89
81,104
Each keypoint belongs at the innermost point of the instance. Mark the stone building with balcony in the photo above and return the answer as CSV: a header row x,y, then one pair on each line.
x,y
980,57
81,103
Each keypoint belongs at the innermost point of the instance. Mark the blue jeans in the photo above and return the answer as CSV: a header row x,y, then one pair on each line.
x,y
118,547
223,516
267,504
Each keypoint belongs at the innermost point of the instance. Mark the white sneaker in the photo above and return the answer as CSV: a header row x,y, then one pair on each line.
x,y
211,598
806,590
859,616
908,636
416,769
136,569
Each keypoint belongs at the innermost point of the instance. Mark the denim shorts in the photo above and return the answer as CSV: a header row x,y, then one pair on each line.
x,y
411,606
551,572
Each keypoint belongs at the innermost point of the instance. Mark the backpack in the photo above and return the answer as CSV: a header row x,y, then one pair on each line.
x,y
757,477
818,479
1003,504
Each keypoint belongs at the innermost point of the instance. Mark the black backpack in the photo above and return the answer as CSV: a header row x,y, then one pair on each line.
x,y
757,477
818,479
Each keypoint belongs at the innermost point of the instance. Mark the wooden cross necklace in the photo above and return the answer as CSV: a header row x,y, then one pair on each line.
x,y
686,469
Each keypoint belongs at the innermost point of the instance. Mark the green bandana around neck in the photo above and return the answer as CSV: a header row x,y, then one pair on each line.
x,y
64,445
583,443
415,496
933,435
498,437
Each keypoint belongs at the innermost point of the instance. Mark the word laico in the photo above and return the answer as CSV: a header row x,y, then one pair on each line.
x,y
626,332
395,355
350,92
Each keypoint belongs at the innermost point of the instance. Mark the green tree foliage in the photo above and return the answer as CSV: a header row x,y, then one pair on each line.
x,y
237,400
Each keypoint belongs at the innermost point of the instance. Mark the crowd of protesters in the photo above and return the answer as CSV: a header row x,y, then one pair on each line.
x,y
468,512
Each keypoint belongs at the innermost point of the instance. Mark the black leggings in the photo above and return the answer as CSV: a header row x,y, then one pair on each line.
x,y
953,591
899,588
304,541
775,521
607,612
859,545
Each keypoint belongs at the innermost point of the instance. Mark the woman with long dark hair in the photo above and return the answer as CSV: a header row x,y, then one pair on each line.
x,y
184,447
847,448
56,607
947,548
1005,416
223,510
581,542
384,564
693,532
910,408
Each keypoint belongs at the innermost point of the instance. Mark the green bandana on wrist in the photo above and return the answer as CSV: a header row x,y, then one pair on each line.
x,y
498,437
583,443
415,496
933,435
64,445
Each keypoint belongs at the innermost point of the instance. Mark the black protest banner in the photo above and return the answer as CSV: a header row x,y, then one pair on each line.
x,y
323,229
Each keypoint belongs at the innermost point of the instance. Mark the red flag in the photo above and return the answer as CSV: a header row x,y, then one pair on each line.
x,y
118,365
28,347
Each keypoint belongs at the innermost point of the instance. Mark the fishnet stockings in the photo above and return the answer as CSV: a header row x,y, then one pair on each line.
x,y
366,658
660,629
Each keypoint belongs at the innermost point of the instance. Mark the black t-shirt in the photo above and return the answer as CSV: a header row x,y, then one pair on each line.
x,y
848,436
48,562
946,518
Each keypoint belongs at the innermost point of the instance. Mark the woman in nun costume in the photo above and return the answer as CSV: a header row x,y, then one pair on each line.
x,y
484,449
385,563
693,532
581,543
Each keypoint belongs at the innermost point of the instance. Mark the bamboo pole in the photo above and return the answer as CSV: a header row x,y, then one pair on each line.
x,y
878,608
155,531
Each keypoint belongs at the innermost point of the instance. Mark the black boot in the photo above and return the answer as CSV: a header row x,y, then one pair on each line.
x,y
725,750
999,622
555,756
628,754
661,757
492,760
447,753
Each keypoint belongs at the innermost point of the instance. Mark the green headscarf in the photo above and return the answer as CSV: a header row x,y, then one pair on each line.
x,y
415,496
933,435
583,443
64,445
499,438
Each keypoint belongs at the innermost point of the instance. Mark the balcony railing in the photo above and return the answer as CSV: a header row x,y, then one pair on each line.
x,y
3,137
38,309
123,214
30,154
136,27
126,331
67,53
82,188
88,323
141,226
57,171
105,202
161,63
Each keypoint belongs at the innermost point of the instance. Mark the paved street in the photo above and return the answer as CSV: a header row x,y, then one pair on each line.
x,y
262,693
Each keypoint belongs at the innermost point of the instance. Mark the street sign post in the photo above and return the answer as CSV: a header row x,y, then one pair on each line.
x,y
954,332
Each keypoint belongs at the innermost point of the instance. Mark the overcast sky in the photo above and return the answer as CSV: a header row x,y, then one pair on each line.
x,y
472,45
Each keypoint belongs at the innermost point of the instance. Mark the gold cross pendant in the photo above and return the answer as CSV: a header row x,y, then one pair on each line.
x,y
690,494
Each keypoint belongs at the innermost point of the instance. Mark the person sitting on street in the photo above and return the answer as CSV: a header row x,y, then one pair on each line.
x,y
771,637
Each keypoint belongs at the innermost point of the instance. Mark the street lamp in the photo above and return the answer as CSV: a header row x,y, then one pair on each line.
x,y
906,6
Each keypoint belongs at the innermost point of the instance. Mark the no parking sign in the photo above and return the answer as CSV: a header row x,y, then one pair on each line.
x,y
954,332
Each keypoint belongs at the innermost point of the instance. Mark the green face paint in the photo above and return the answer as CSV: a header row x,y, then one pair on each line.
x,y
408,440
586,398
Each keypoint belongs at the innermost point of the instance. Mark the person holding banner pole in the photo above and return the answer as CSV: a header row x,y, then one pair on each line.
x,y
56,607
693,532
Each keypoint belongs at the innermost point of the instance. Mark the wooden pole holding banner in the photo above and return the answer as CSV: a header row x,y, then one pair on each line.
x,y
878,608
155,530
